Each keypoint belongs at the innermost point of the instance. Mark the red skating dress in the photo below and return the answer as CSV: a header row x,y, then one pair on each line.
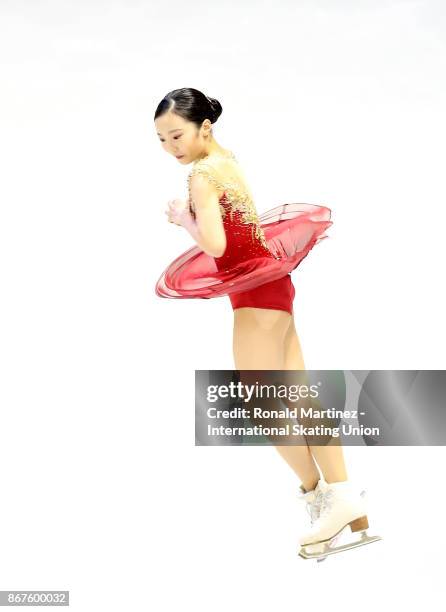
x,y
261,252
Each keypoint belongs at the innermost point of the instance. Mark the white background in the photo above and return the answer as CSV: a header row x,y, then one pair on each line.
x,y
104,492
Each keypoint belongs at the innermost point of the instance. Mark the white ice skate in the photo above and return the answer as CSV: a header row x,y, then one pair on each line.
x,y
341,507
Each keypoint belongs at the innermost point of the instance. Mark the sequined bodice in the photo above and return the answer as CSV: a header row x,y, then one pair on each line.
x,y
245,238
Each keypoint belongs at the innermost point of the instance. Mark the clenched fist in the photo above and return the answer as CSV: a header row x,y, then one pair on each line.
x,y
177,211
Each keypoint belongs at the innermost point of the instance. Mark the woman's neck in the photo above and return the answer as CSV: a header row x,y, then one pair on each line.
x,y
215,149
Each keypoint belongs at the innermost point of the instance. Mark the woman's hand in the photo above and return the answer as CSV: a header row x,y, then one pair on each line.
x,y
178,211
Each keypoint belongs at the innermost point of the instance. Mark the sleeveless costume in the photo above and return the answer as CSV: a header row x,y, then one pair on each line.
x,y
260,253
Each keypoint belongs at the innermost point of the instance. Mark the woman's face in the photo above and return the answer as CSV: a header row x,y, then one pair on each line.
x,y
180,137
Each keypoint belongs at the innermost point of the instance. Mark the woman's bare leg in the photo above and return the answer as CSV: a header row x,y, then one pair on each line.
x,y
259,342
295,456
330,457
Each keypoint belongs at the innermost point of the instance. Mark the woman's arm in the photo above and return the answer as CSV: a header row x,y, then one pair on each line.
x,y
207,228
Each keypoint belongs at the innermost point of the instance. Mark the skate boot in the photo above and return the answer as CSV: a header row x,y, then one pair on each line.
x,y
312,500
342,506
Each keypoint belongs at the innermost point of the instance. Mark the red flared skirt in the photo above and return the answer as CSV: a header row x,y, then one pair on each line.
x,y
291,231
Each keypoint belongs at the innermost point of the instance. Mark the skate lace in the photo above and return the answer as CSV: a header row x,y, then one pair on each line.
x,y
318,503
313,507
326,502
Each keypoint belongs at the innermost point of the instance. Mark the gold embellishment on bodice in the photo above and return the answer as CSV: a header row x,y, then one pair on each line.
x,y
237,196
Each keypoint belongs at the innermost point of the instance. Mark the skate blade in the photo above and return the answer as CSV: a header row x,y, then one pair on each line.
x,y
322,550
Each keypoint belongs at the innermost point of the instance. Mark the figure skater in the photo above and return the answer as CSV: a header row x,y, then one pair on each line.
x,y
249,258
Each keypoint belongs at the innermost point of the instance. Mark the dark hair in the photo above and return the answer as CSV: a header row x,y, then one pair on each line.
x,y
190,104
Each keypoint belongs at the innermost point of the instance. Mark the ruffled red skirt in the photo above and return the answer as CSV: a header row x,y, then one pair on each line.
x,y
291,231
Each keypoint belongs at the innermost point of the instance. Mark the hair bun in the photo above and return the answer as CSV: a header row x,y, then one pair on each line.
x,y
216,108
